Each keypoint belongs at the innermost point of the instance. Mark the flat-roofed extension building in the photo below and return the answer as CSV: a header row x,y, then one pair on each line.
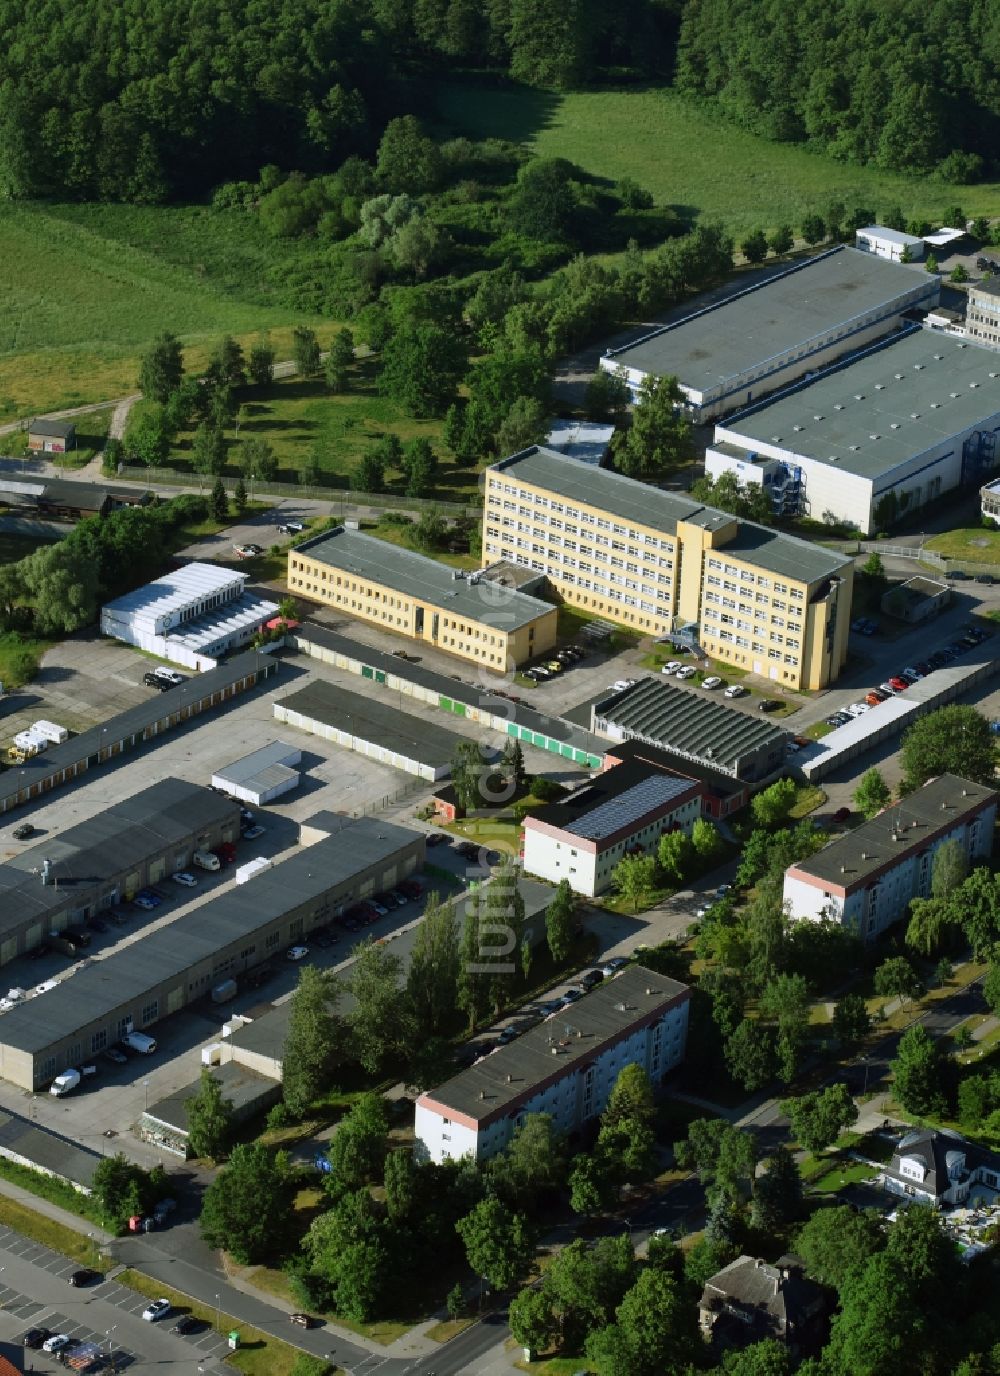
x,y
694,725
136,987
191,616
402,591
867,878
623,811
982,312
721,795
730,354
566,1066
662,563
891,244
68,878
886,434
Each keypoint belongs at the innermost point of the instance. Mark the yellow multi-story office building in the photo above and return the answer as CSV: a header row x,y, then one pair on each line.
x,y
662,563
465,614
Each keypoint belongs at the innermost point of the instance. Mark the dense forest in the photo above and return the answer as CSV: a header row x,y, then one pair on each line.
x,y
902,84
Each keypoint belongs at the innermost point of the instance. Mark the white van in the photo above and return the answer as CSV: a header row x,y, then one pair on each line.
x,y
138,1041
64,1083
206,860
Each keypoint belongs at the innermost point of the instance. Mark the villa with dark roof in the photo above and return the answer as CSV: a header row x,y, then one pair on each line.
x,y
942,1168
749,1300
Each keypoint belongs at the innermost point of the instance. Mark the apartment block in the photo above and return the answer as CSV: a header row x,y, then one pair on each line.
x,y
664,564
982,313
867,878
467,615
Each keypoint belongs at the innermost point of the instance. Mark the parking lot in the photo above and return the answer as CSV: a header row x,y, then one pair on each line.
x,y
35,1293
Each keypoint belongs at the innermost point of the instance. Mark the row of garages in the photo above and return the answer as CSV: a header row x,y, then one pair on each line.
x,y
245,926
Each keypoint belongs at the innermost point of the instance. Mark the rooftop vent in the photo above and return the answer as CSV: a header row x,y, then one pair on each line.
x,y
819,417
775,439
880,386
651,992
859,396
796,427
874,437
894,425
838,406
854,448
993,374
939,357
917,367
973,384
898,377
834,458
935,405
954,395
864,855
963,346
914,415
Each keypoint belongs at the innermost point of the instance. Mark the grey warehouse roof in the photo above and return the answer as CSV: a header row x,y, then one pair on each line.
x,y
862,853
46,1150
884,408
118,839
808,302
414,575
488,1089
371,719
262,768
648,506
686,720
56,429
95,992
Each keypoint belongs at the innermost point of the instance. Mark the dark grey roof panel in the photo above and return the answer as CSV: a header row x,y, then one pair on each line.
x,y
373,719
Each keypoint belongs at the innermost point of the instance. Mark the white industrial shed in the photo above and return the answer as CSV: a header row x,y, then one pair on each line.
x,y
886,433
191,616
733,352
889,243
262,776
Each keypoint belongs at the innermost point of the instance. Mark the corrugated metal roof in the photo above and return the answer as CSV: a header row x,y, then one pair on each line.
x,y
177,589
371,719
690,721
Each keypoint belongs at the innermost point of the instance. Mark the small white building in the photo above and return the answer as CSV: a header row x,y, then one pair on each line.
x,y
192,616
889,243
261,776
867,878
624,811
566,1067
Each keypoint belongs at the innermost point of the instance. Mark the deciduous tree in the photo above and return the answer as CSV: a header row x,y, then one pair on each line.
x,y
499,1243
634,877
559,920
161,368
872,794
380,1023
818,1118
315,1039
247,1209
210,1118
917,1073
955,739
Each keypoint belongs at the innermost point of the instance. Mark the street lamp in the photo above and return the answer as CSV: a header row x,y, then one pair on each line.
x,y
145,1091
864,1062
217,1311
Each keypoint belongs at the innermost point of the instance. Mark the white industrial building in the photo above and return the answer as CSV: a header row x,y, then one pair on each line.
x,y
261,776
889,243
867,878
885,434
192,616
732,353
566,1067
623,811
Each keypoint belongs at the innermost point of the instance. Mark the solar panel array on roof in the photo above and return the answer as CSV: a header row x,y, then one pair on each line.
x,y
615,814
689,722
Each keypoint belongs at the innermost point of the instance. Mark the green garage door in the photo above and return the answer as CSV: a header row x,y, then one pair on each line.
x,y
379,675
367,671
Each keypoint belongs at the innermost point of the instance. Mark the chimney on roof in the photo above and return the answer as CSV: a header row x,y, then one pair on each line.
x,y
510,1079
482,1094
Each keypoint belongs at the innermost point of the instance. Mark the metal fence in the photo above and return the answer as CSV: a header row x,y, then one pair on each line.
x,y
337,497
406,791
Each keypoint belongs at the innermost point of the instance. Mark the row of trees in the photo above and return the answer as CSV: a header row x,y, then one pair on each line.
x,y
679,857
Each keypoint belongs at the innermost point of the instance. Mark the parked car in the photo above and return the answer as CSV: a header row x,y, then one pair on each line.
x,y
900,684
888,689
957,576
34,1337
554,666
22,832
297,952
187,1323
304,1320
768,705
182,877
843,814
571,995
141,901
291,528
612,966
736,690
671,666
874,698
253,832
58,1342
591,979
399,898
156,1309
507,1034
85,1276
411,887
711,682
436,838
688,671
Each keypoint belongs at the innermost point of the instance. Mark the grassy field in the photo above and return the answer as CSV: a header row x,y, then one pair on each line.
x,y
46,1231
300,418
86,287
689,158
974,543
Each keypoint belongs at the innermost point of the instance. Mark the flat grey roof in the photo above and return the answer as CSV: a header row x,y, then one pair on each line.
x,y
648,506
95,992
57,429
511,1073
855,856
264,767
135,720
118,839
989,285
48,1150
241,1086
457,690
417,576
371,719
891,236
712,348
689,720
884,408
